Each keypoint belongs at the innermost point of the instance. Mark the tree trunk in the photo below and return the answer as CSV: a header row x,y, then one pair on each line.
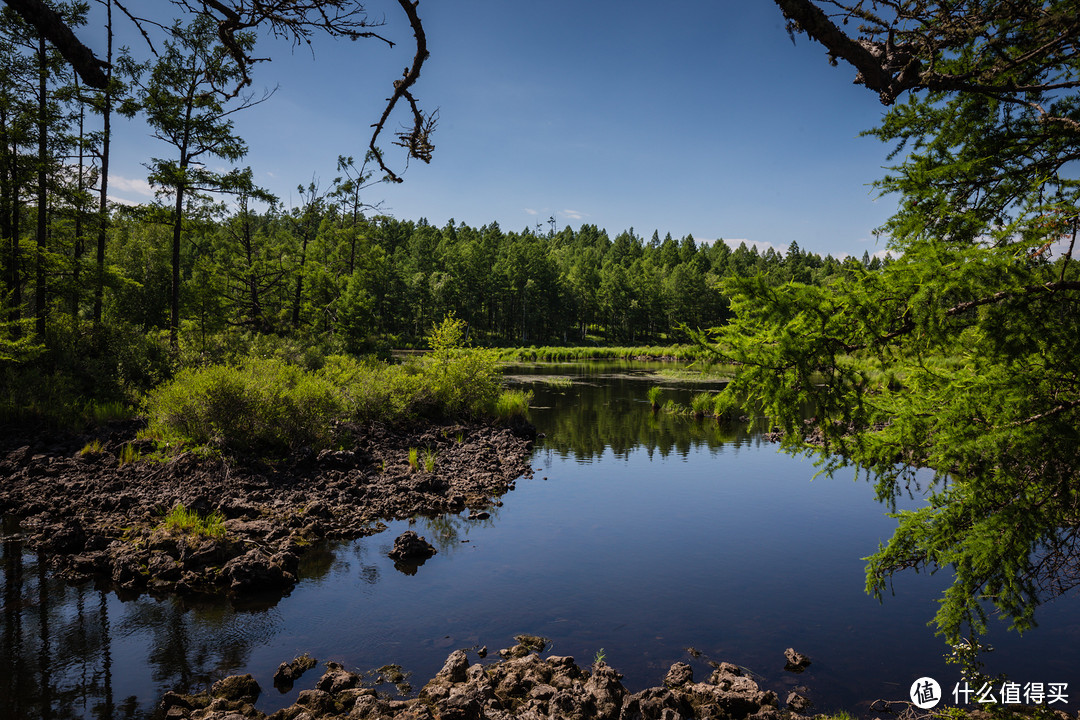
x,y
103,198
42,197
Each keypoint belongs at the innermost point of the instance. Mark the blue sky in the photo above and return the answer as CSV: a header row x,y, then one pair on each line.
x,y
683,117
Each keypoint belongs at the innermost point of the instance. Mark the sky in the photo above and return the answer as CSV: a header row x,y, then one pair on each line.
x,y
697,118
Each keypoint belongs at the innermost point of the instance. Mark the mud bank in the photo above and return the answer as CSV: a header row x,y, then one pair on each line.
x,y
100,515
521,685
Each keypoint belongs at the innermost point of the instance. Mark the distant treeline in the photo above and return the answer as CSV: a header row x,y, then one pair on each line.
x,y
384,281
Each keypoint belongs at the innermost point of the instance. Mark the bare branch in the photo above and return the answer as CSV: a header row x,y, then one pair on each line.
x,y
53,28
417,141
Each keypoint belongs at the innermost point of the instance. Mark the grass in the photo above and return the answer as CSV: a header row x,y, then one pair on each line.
x,y
558,381
511,404
557,354
654,395
128,454
94,447
188,522
414,458
429,460
701,403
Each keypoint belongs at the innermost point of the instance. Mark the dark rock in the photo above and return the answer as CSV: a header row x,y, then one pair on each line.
x,y
796,661
679,674
797,702
482,652
410,546
337,678
319,702
236,687
288,673
254,570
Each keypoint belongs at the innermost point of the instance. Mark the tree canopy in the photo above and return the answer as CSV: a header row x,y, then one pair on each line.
x,y
961,356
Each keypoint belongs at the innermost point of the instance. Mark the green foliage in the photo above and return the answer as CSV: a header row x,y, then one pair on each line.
x,y
188,522
654,395
429,459
262,405
414,458
962,356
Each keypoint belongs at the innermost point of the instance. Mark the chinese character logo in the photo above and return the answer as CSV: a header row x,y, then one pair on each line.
x,y
925,693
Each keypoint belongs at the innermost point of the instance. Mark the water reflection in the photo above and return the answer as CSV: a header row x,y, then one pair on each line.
x,y
641,534
606,409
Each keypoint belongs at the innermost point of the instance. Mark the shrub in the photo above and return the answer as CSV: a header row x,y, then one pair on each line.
x,y
262,405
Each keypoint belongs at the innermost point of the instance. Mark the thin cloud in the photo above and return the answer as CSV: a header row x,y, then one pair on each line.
x,y
575,214
137,185
530,211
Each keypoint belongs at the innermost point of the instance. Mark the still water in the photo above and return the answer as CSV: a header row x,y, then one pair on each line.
x,y
640,536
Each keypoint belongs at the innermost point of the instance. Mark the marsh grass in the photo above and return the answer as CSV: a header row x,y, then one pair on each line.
x,y
94,447
429,460
512,403
558,382
188,522
414,458
654,396
701,403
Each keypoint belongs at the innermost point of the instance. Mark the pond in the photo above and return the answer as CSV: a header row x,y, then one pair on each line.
x,y
647,538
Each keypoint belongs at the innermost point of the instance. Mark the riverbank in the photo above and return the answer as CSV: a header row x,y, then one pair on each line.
x,y
98,510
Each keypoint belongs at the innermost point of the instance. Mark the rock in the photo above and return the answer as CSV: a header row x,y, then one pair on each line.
x,y
455,667
679,674
796,661
254,570
288,673
236,687
482,652
337,678
410,546
797,702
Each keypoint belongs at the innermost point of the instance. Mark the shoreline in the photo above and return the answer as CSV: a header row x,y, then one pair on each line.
x,y
99,516
518,684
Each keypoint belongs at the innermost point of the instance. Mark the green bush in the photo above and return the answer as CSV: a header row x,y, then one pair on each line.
x,y
262,405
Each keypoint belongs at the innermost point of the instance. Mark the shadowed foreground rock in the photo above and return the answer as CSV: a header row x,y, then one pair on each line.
x,y
524,686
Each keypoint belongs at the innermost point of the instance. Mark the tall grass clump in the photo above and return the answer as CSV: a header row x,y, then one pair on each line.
x,y
512,404
188,522
263,405
701,403
654,396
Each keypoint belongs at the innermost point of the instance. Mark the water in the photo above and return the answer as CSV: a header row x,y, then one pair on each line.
x,y
639,536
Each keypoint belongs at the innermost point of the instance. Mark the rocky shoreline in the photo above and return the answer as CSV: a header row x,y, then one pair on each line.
x,y
99,514
519,685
